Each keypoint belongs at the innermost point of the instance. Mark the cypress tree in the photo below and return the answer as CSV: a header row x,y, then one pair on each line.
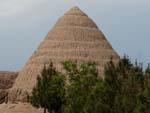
x,y
80,89
144,98
49,91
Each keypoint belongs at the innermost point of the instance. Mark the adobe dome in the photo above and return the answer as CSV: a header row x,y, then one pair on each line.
x,y
74,37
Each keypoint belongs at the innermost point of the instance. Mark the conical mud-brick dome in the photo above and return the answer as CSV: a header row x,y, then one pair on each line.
x,y
74,37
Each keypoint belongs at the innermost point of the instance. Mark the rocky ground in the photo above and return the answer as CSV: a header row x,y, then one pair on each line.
x,y
19,108
7,80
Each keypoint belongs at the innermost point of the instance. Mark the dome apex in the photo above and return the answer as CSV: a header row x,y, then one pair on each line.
x,y
75,11
75,18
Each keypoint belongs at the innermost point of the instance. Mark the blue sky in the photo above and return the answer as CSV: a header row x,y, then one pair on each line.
x,y
24,23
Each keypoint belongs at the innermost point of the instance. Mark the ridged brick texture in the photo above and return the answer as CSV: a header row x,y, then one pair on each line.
x,y
74,37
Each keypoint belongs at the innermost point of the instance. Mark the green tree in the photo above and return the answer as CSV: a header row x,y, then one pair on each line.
x,y
82,81
97,99
49,91
125,88
131,87
124,82
116,93
112,85
144,97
